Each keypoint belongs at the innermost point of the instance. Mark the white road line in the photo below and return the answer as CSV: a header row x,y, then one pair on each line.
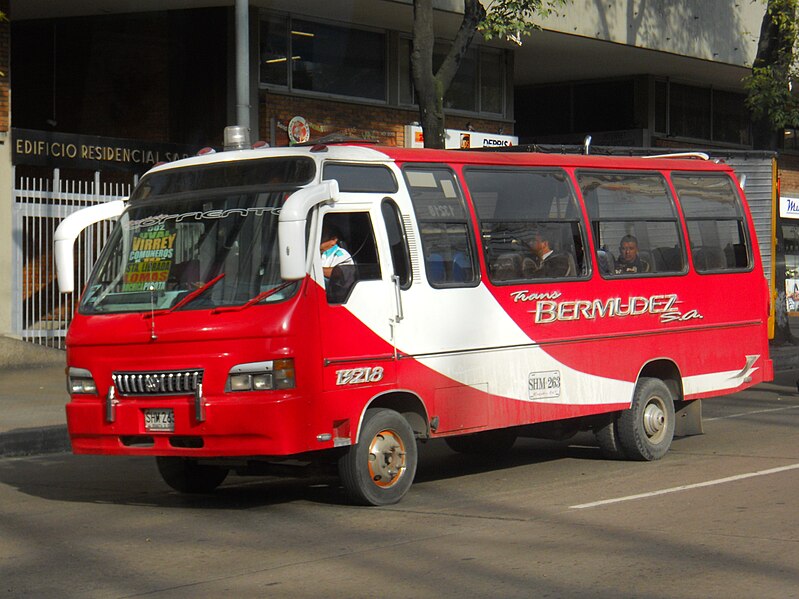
x,y
748,413
709,483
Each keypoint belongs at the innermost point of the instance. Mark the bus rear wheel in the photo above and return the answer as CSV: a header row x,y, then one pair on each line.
x,y
379,469
607,437
188,476
645,431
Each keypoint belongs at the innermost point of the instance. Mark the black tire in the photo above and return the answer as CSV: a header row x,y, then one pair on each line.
x,y
489,443
607,437
379,469
646,430
187,476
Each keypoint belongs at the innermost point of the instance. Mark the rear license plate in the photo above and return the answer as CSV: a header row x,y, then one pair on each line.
x,y
162,419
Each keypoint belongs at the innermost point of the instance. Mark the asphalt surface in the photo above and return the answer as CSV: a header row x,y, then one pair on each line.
x,y
33,396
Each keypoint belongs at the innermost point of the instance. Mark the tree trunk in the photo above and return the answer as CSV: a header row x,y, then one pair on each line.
x,y
430,86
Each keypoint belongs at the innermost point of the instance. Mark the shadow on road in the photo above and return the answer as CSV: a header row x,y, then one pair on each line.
x,y
129,480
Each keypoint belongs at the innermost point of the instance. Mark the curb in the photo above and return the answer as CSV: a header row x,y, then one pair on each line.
x,y
34,441
15,353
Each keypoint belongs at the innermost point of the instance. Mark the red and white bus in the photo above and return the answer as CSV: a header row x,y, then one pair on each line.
x,y
487,296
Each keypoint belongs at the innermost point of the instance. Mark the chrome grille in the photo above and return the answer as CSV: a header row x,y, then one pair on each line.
x,y
170,382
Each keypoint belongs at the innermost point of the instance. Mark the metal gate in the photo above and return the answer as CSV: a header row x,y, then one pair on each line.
x,y
41,313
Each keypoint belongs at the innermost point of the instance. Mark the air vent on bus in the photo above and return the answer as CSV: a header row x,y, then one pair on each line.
x,y
172,382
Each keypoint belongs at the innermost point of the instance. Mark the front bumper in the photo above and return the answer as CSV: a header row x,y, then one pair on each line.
x,y
233,426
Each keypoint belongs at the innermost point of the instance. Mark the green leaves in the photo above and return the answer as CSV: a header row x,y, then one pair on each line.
x,y
769,86
511,19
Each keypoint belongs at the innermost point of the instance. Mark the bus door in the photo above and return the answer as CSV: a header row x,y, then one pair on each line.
x,y
358,303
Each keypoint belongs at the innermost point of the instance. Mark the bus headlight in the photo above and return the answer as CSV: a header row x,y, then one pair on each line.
x,y
80,381
261,376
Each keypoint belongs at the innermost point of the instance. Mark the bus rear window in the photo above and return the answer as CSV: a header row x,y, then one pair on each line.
x,y
715,220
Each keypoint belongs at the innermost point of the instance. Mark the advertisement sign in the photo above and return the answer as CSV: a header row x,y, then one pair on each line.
x,y
150,259
789,207
67,150
461,139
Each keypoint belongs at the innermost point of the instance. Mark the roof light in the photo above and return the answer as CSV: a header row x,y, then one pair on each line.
x,y
237,138
205,151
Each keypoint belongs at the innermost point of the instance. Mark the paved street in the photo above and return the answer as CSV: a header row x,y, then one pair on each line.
x,y
716,518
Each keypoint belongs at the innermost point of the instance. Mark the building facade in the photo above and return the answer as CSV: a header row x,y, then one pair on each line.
x,y
90,88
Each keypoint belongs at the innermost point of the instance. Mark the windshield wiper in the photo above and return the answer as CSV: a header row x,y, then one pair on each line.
x,y
197,292
258,298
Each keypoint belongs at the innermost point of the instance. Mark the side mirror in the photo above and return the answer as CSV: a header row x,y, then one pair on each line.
x,y
68,231
291,227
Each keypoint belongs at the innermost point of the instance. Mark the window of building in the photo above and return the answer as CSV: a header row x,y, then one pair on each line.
x,y
524,214
689,111
701,113
449,255
715,221
635,223
577,107
790,139
730,118
316,57
492,81
479,85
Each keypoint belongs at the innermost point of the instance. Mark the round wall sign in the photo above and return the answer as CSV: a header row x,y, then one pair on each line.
x,y
299,131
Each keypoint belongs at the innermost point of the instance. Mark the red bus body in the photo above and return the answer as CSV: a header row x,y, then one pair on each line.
x,y
452,360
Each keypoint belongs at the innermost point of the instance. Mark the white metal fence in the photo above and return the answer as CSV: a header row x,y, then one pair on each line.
x,y
41,313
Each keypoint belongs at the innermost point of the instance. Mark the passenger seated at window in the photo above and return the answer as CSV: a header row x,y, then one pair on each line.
x,y
629,261
550,263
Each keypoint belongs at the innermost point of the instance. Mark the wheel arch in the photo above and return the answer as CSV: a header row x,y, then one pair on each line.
x,y
667,371
409,405
688,414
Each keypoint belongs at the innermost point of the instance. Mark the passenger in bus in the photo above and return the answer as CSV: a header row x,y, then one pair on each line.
x,y
332,253
551,263
629,261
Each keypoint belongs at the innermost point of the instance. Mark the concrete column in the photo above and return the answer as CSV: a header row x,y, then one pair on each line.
x,y
6,253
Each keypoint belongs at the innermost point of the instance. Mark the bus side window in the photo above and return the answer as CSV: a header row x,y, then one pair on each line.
x,y
444,226
635,223
715,220
530,224
355,256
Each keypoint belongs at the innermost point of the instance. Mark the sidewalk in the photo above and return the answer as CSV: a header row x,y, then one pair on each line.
x,y
33,395
32,399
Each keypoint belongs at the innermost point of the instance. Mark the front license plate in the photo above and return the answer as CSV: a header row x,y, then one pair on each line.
x,y
162,419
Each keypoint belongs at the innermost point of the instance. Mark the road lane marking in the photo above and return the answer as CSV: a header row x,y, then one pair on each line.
x,y
709,483
750,413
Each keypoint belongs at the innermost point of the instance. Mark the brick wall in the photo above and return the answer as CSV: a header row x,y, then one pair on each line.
x,y
789,174
325,117
5,61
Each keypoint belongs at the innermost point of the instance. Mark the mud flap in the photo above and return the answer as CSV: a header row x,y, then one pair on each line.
x,y
688,418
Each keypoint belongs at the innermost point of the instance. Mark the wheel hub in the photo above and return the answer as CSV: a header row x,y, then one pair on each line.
x,y
386,458
654,419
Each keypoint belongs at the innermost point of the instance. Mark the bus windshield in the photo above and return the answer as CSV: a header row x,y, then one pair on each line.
x,y
187,251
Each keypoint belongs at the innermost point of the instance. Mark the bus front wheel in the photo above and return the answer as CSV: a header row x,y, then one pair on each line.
x,y
645,431
187,476
379,469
